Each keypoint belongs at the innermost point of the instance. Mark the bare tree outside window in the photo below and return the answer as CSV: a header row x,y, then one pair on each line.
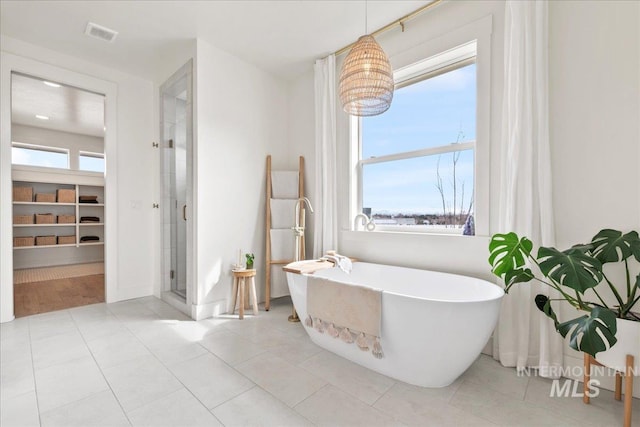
x,y
455,206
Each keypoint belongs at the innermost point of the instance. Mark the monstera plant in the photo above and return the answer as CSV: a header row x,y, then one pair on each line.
x,y
572,273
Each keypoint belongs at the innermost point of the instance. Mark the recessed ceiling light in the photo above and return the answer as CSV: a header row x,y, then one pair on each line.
x,y
52,84
38,116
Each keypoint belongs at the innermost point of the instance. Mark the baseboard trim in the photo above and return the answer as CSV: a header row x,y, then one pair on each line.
x,y
211,309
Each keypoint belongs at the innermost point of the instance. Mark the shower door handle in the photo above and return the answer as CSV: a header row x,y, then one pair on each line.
x,y
184,212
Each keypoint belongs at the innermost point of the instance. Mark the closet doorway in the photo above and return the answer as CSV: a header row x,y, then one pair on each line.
x,y
58,195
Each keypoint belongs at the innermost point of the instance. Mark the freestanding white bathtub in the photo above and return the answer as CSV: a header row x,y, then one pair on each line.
x,y
434,325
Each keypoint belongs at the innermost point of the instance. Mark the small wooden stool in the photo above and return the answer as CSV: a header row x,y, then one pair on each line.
x,y
628,379
240,291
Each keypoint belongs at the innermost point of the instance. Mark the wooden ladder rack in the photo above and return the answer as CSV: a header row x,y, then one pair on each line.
x,y
270,262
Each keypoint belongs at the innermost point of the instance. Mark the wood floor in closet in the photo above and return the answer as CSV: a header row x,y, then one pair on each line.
x,y
58,294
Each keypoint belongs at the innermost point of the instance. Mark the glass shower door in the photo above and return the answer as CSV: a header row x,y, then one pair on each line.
x,y
176,143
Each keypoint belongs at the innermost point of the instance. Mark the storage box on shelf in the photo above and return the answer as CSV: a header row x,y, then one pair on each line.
x,y
45,240
45,198
19,242
22,194
65,195
66,219
46,218
67,240
23,219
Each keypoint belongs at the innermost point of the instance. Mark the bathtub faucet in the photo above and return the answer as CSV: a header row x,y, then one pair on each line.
x,y
298,232
298,229
367,222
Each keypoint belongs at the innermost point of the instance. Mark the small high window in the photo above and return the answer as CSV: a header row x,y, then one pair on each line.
x,y
35,155
93,162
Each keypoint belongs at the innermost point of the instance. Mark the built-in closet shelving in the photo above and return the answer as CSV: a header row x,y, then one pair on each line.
x,y
84,184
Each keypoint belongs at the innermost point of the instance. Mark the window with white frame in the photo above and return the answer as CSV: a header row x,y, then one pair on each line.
x,y
93,162
37,155
417,161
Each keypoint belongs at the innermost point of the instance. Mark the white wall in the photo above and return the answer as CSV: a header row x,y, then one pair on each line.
x,y
137,239
301,138
241,117
74,142
594,109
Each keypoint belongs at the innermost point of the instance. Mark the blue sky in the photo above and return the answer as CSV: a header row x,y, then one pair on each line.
x,y
427,114
53,159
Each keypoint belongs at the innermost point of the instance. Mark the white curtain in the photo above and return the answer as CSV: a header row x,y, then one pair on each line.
x,y
525,337
326,214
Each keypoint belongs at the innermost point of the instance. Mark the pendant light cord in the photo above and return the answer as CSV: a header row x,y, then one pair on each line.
x,y
397,23
366,24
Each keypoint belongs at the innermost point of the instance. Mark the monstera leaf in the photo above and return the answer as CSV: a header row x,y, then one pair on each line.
x,y
587,332
508,252
519,275
573,268
613,246
544,305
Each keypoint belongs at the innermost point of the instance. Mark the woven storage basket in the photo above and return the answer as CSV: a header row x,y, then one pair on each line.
x,y
23,194
45,240
66,219
45,218
23,241
23,219
45,198
67,240
65,195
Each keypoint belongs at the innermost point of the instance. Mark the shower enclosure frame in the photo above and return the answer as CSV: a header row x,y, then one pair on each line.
x,y
177,266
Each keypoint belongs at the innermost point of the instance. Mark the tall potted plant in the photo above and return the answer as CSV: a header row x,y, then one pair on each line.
x,y
572,273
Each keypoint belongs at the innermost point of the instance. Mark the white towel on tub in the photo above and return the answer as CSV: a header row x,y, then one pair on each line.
x,y
332,306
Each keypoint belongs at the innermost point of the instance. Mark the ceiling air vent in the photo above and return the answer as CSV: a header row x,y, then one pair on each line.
x,y
100,32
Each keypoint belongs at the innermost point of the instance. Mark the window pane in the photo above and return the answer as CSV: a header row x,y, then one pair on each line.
x,y
430,113
428,192
36,157
90,163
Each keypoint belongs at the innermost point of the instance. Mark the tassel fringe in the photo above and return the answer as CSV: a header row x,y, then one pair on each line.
x,y
345,335
331,330
361,342
377,349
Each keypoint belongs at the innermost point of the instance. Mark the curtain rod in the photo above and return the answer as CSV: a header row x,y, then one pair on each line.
x,y
398,22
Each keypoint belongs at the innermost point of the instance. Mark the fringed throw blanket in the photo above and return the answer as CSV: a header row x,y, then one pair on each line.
x,y
345,311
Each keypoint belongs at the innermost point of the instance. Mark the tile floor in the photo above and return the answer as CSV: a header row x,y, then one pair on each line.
x,y
142,363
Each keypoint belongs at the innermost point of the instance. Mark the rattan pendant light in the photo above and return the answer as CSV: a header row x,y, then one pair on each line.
x,y
366,79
